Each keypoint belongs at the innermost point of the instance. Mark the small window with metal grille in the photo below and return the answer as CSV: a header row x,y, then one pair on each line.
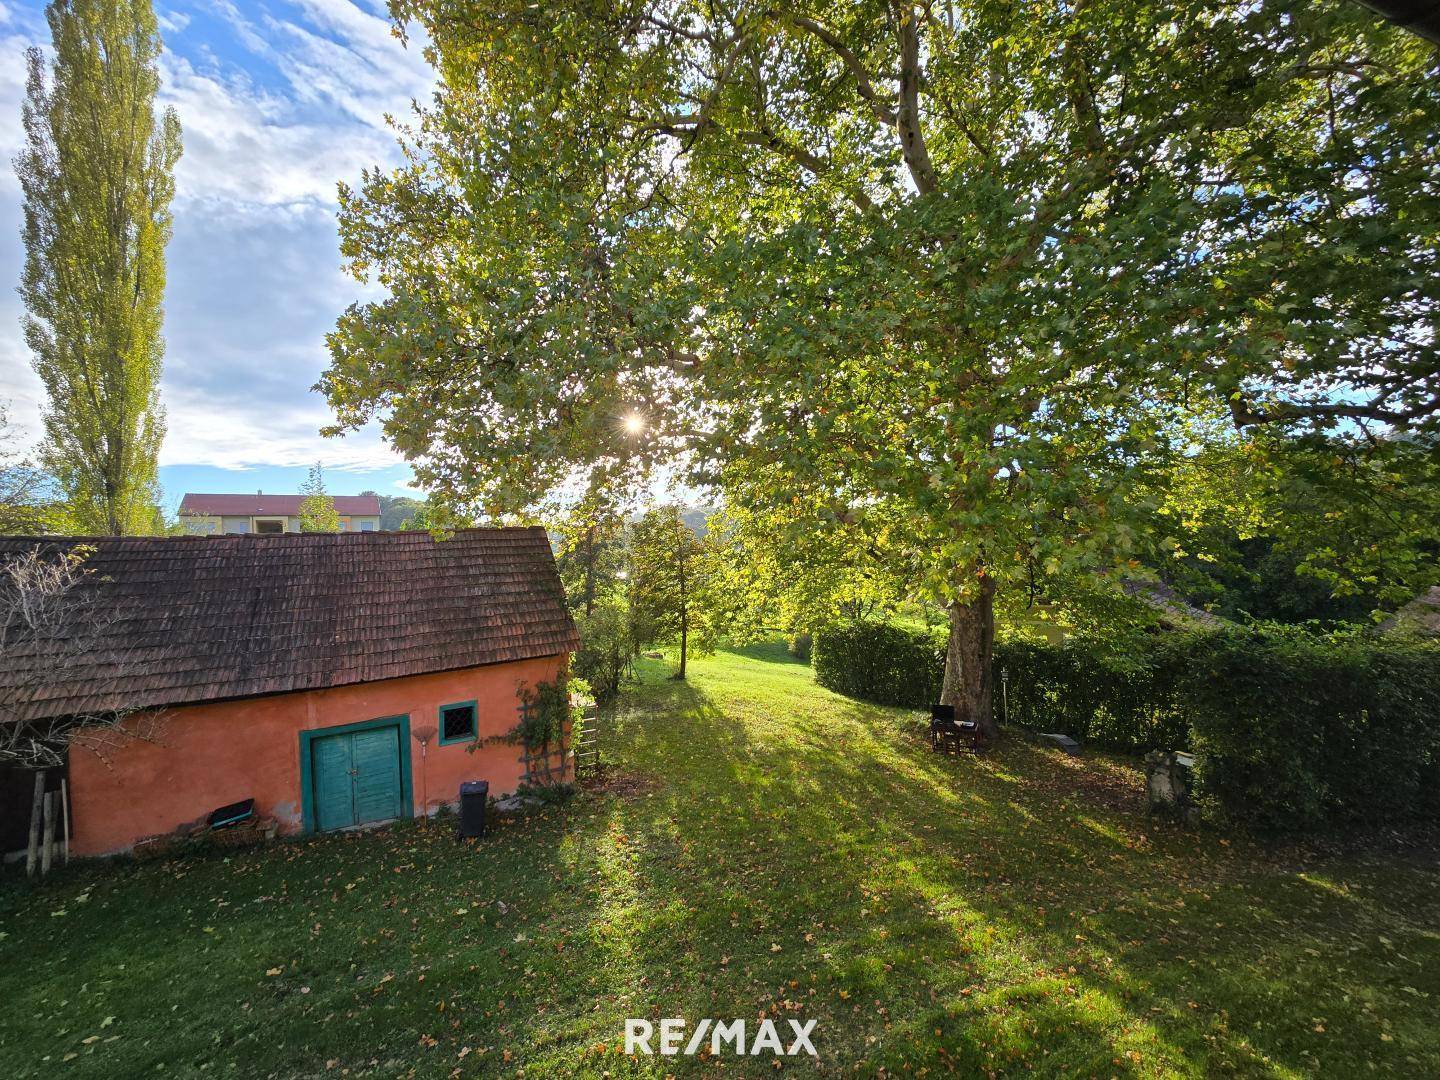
x,y
457,722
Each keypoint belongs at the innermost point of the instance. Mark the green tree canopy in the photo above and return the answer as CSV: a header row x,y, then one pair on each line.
x,y
28,500
670,572
948,276
395,510
317,508
1327,527
590,552
439,517
97,175
774,572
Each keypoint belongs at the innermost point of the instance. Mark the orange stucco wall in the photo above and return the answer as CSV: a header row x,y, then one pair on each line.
x,y
205,756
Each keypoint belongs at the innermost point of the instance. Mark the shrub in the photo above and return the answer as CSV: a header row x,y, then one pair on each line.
x,y
1116,693
800,647
880,662
1293,730
605,649
1296,732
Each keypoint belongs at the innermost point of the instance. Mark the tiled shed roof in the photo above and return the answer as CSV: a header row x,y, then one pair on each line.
x,y
196,618
279,505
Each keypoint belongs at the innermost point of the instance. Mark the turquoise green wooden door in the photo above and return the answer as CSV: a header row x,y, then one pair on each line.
x,y
356,777
377,774
334,786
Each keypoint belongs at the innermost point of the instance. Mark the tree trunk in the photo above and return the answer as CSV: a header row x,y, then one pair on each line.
x,y
684,603
37,811
589,571
968,682
47,844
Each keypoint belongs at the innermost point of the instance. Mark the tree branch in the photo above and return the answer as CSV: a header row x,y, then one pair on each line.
x,y
882,104
1243,414
680,125
1082,96
813,163
907,117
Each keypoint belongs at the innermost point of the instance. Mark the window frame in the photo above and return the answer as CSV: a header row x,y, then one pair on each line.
x,y
474,735
283,522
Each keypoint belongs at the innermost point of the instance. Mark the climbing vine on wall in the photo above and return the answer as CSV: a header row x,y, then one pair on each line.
x,y
545,709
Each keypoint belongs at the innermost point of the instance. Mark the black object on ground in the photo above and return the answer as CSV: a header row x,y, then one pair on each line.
x,y
474,794
229,815
945,729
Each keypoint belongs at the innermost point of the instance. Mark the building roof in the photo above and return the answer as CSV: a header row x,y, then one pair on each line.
x,y
1420,616
279,505
1172,609
190,619
1418,16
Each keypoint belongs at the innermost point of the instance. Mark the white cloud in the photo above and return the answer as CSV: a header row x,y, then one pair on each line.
x,y
347,58
20,389
366,72
247,434
12,96
254,279
172,22
243,146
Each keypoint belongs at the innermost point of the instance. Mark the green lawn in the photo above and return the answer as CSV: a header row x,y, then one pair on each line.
x,y
775,850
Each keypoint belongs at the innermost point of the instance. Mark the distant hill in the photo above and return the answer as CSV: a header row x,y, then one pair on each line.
x,y
395,510
697,517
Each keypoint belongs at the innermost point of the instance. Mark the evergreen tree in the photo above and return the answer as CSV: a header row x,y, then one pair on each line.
x,y
317,510
97,173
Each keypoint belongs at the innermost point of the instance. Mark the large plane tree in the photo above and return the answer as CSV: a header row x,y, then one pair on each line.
x,y
941,275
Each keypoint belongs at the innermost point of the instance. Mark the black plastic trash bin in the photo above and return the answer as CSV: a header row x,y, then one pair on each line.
x,y
474,794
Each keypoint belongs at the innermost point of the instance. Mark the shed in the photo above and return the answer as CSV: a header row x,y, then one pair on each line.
x,y
336,679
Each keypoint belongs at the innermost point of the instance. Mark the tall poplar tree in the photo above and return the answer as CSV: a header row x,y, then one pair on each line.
x,y
98,176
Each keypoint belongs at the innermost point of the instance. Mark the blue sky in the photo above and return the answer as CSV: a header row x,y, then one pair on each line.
x,y
279,101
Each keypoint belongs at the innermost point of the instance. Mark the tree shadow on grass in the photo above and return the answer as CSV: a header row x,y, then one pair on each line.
x,y
996,903
798,856
792,909
770,652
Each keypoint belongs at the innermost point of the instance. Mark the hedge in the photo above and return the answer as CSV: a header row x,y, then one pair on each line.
x,y
1292,730
1119,694
1296,732
1098,692
879,662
